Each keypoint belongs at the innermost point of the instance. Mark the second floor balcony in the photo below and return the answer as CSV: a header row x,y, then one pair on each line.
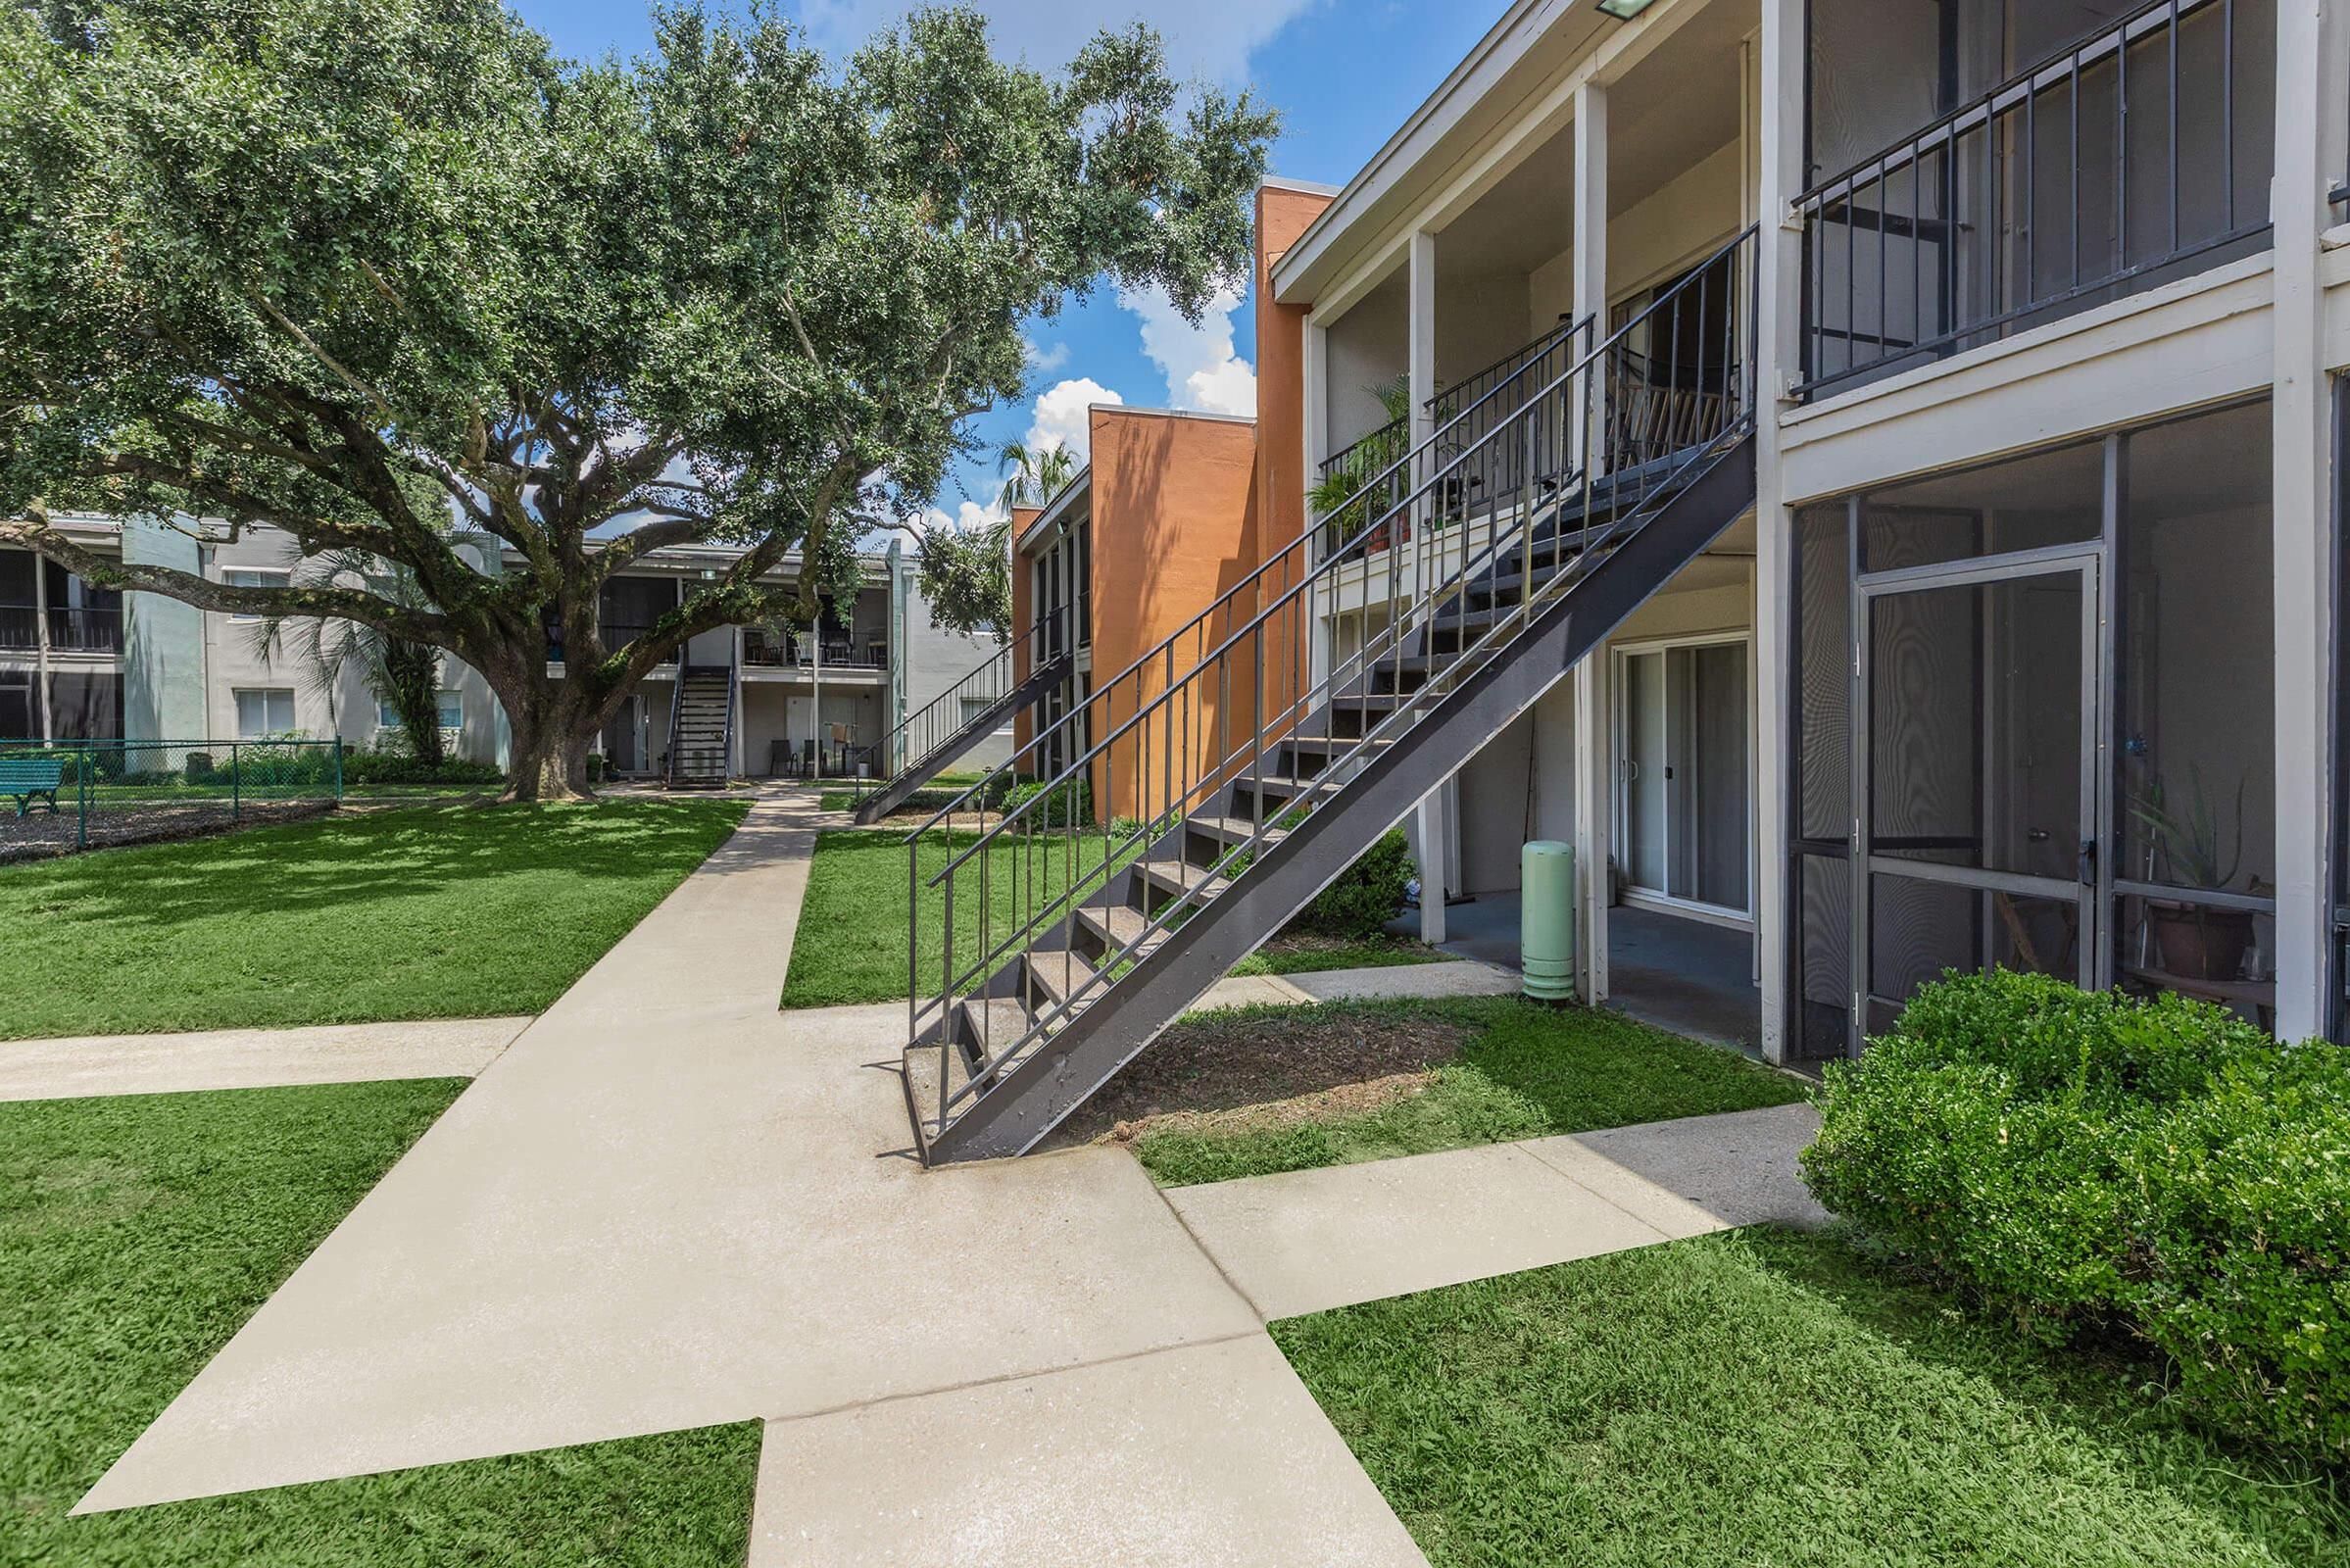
x,y
70,628
2108,156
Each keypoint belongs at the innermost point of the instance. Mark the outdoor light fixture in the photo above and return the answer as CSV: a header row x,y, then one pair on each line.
x,y
1624,10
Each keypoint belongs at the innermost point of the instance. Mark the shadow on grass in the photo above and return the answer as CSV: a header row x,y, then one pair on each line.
x,y
339,862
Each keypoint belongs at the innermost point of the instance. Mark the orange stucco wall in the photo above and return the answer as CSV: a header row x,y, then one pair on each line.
x,y
1174,512
1185,508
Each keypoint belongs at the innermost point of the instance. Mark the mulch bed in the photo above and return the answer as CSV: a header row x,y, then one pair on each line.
x,y
44,835
1269,1068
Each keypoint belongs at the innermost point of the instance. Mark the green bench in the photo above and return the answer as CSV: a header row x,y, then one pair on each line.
x,y
30,778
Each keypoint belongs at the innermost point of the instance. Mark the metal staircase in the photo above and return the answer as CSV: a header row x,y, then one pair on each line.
x,y
702,727
1207,793
945,729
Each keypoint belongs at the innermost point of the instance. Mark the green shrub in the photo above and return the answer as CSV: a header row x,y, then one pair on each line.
x,y
2089,1163
403,767
1366,895
1071,804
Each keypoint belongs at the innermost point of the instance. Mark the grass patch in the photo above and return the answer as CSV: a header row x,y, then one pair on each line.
x,y
1766,1397
1311,955
1522,1072
139,1233
444,912
850,944
935,796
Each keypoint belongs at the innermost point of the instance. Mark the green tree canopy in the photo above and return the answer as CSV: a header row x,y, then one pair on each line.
x,y
390,276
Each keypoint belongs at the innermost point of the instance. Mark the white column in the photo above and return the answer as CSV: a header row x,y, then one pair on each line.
x,y
1778,99
1316,426
1434,830
742,709
1590,204
1594,749
41,643
2303,527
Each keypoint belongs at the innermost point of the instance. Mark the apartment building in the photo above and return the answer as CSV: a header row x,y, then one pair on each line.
x,y
81,661
1866,475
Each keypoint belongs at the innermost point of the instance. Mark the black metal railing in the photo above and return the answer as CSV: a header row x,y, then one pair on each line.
x,y
1467,410
2129,159
944,718
799,651
1210,708
615,636
72,628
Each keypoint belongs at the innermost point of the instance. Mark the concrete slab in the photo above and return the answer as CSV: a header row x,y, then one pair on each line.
x,y
1459,978
68,1068
1704,1173
1214,1454
644,1219
1310,1241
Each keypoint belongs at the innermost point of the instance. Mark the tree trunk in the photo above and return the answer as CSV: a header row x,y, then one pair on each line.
x,y
549,758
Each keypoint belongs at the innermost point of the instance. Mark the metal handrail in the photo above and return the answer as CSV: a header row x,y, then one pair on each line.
x,y
1962,208
1000,672
1542,418
1398,466
1516,362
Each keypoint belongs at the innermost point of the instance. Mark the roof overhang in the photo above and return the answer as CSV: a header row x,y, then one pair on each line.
x,y
1511,93
1056,511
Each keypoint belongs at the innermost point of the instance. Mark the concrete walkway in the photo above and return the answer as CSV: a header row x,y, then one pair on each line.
x,y
251,1058
1312,1240
668,1204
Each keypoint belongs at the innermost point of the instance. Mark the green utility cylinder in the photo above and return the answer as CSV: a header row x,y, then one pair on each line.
x,y
1547,929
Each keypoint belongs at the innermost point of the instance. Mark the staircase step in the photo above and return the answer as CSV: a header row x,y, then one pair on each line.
x,y
992,1026
1183,877
1059,973
1236,830
1119,927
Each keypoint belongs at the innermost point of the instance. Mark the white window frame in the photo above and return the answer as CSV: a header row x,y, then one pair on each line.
x,y
237,696
278,577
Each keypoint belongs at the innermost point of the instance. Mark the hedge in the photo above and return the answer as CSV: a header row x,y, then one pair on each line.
x,y
2091,1162
1367,896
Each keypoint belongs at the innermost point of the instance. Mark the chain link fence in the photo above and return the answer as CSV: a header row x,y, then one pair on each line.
x,y
57,796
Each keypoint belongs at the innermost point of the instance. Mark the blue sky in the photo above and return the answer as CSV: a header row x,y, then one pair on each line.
x,y
1344,73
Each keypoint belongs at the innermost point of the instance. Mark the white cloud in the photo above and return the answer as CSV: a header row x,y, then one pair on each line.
x,y
1062,419
1202,369
1043,358
1209,40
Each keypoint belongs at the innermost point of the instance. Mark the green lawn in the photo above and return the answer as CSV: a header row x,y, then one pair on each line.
x,y
850,944
443,912
136,1234
1529,1073
1319,955
1768,1398
940,793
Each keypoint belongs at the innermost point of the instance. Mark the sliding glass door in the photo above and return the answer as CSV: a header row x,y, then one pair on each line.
x,y
1682,803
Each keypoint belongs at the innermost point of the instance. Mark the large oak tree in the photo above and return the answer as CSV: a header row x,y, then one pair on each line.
x,y
388,276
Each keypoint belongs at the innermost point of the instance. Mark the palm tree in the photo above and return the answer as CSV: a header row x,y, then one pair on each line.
x,y
404,676
1033,476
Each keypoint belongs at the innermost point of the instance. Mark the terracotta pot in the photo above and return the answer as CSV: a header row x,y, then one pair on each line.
x,y
2199,944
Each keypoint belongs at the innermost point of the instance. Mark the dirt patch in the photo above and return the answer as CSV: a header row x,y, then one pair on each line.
x,y
42,835
1268,1069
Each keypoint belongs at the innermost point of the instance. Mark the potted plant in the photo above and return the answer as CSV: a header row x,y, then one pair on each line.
x,y
2196,942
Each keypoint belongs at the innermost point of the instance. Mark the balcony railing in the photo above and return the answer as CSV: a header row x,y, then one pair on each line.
x,y
2138,154
798,651
72,628
616,634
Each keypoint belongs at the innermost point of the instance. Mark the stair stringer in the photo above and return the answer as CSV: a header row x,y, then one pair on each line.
x,y
1092,1048
896,790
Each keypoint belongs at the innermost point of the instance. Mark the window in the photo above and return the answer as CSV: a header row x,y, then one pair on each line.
x,y
452,712
264,710
255,577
